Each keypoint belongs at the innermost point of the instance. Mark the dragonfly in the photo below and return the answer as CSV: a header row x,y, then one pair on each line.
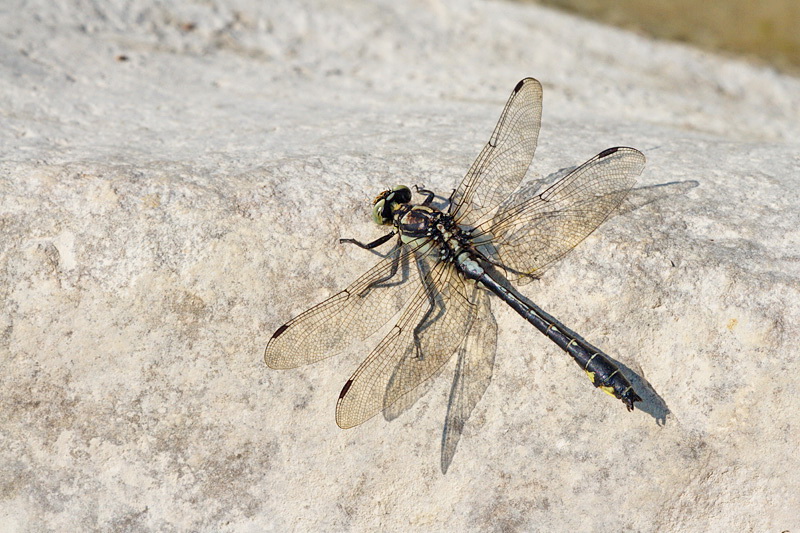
x,y
445,266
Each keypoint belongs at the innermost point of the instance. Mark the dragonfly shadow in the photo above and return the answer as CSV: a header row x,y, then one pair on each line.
x,y
637,197
473,373
652,403
648,194
405,402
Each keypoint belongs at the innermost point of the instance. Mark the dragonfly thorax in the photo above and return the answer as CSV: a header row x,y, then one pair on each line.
x,y
427,226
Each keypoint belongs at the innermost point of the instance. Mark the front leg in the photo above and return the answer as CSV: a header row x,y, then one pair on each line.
x,y
434,298
429,195
370,245
399,262
450,199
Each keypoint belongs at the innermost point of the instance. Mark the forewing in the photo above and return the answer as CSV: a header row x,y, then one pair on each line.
x,y
533,232
504,161
352,314
402,361
425,264
473,373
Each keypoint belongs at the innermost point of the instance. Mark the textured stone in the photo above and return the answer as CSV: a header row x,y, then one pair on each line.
x,y
173,184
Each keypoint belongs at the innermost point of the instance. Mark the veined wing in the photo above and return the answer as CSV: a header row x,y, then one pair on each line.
x,y
352,314
533,232
439,314
504,161
404,402
473,373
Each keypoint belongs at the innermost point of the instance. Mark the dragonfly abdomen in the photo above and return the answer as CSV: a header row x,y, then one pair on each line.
x,y
602,372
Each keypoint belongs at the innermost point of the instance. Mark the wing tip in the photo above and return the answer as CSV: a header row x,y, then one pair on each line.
x,y
614,149
625,151
526,81
608,151
279,331
271,359
345,388
346,416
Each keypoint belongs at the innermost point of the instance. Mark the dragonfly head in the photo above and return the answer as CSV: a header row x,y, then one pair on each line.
x,y
386,202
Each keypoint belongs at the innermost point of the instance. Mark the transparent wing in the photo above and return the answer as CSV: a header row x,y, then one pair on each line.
x,y
407,401
426,336
352,314
533,232
504,161
404,402
473,373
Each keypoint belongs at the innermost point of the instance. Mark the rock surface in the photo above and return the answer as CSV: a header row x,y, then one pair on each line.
x,y
174,181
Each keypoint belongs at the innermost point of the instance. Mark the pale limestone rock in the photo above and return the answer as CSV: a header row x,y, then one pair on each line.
x,y
174,182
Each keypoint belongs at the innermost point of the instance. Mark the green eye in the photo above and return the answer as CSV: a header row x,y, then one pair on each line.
x,y
400,194
378,213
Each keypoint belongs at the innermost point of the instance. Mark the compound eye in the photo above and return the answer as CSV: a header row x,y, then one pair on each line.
x,y
400,194
387,202
382,212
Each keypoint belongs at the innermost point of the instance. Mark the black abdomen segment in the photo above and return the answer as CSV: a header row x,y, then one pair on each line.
x,y
601,371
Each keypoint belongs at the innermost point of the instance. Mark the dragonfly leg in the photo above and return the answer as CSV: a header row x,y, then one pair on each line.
x,y
434,301
450,198
381,282
429,195
370,245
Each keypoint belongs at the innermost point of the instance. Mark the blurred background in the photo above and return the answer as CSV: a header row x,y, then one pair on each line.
x,y
767,31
